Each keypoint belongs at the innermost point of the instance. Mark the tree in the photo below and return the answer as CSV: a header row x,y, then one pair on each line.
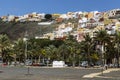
x,y
4,45
34,50
88,48
111,51
19,50
102,38
51,52
9,55
48,17
117,43
72,47
63,52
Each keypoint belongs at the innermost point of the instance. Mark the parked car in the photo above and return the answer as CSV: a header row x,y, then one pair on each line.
x,y
28,62
35,64
43,64
84,64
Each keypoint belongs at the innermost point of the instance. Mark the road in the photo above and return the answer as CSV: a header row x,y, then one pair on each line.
x,y
21,73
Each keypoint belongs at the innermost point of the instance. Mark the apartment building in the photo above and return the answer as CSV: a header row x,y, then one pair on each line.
x,y
115,13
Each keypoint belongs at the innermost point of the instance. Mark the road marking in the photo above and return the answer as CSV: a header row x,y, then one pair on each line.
x,y
92,75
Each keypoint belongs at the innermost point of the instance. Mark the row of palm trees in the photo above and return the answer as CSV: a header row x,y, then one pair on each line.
x,y
100,49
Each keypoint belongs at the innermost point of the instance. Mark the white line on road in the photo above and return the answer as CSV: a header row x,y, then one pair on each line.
x,y
92,75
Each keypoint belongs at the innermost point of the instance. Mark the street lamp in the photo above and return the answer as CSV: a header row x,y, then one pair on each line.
x,y
25,40
26,44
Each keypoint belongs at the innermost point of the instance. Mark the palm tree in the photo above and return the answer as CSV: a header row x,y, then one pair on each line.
x,y
19,49
43,53
62,51
117,43
9,55
72,47
110,52
34,50
48,53
51,52
103,38
4,45
88,47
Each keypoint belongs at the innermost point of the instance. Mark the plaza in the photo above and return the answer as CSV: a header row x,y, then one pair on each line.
x,y
49,73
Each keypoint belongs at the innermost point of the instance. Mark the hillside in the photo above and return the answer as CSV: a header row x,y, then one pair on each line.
x,y
17,30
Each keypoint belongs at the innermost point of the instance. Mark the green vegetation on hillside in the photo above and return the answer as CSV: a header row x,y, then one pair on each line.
x,y
17,30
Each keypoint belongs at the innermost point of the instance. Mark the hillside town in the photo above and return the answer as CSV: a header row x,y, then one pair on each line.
x,y
86,22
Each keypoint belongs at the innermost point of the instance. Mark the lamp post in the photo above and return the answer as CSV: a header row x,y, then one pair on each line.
x,y
25,40
26,49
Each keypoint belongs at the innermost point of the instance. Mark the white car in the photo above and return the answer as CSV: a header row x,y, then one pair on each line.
x,y
84,64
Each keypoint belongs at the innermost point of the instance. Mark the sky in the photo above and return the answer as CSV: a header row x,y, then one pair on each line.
x,y
21,7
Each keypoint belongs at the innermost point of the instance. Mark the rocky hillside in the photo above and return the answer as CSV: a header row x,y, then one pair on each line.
x,y
17,30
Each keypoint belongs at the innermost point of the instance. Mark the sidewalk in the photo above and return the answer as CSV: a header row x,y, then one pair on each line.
x,y
112,74
109,73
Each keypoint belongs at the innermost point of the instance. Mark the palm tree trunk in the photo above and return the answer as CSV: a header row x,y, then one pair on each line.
x,y
73,62
89,59
2,55
117,62
102,55
118,58
39,59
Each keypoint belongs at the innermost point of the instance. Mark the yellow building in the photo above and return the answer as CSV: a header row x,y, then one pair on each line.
x,y
117,24
90,15
107,21
56,16
105,15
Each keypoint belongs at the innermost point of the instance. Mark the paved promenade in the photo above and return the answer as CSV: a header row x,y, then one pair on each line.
x,y
45,73
110,74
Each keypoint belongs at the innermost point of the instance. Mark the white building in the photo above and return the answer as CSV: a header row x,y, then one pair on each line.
x,y
82,22
64,16
114,13
11,17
